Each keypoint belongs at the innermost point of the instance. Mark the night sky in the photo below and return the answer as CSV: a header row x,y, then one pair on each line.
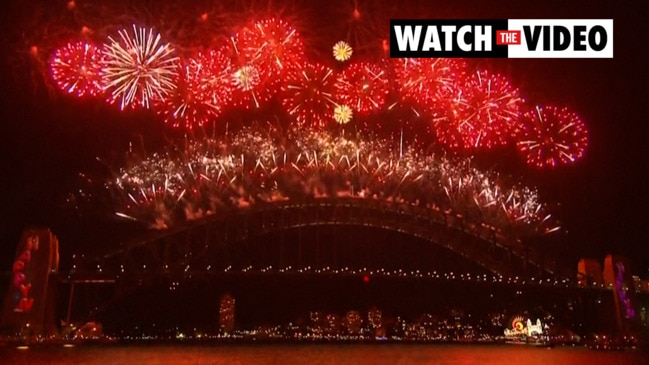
x,y
49,138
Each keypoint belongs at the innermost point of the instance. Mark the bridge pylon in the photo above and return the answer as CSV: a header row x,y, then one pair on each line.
x,y
29,305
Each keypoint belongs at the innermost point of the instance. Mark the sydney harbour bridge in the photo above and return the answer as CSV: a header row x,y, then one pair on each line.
x,y
205,250
195,245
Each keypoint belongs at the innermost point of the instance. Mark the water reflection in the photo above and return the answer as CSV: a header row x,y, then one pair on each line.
x,y
317,354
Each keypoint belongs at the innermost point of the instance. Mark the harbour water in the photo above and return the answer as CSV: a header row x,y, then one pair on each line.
x,y
317,354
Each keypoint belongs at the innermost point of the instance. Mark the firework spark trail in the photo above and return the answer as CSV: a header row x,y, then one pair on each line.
x,y
317,164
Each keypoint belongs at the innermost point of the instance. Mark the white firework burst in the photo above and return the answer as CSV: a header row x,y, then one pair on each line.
x,y
138,67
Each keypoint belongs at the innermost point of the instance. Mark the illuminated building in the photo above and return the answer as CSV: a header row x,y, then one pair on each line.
x,y
534,329
430,323
332,324
353,322
226,314
375,322
316,323
522,329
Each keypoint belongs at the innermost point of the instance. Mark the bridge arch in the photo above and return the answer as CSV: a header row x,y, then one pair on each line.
x,y
174,249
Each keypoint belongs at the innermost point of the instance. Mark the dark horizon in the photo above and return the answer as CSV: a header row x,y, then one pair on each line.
x,y
50,138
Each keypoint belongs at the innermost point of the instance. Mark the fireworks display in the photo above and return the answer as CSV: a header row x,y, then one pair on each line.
x,y
210,175
247,78
138,68
263,64
265,58
427,81
202,91
342,51
343,114
308,93
76,69
251,84
552,136
363,87
274,45
486,112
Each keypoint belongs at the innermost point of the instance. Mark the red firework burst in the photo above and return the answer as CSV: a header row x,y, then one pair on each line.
x,y
252,85
552,136
427,81
203,90
273,44
445,113
212,72
308,94
484,112
76,69
363,87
